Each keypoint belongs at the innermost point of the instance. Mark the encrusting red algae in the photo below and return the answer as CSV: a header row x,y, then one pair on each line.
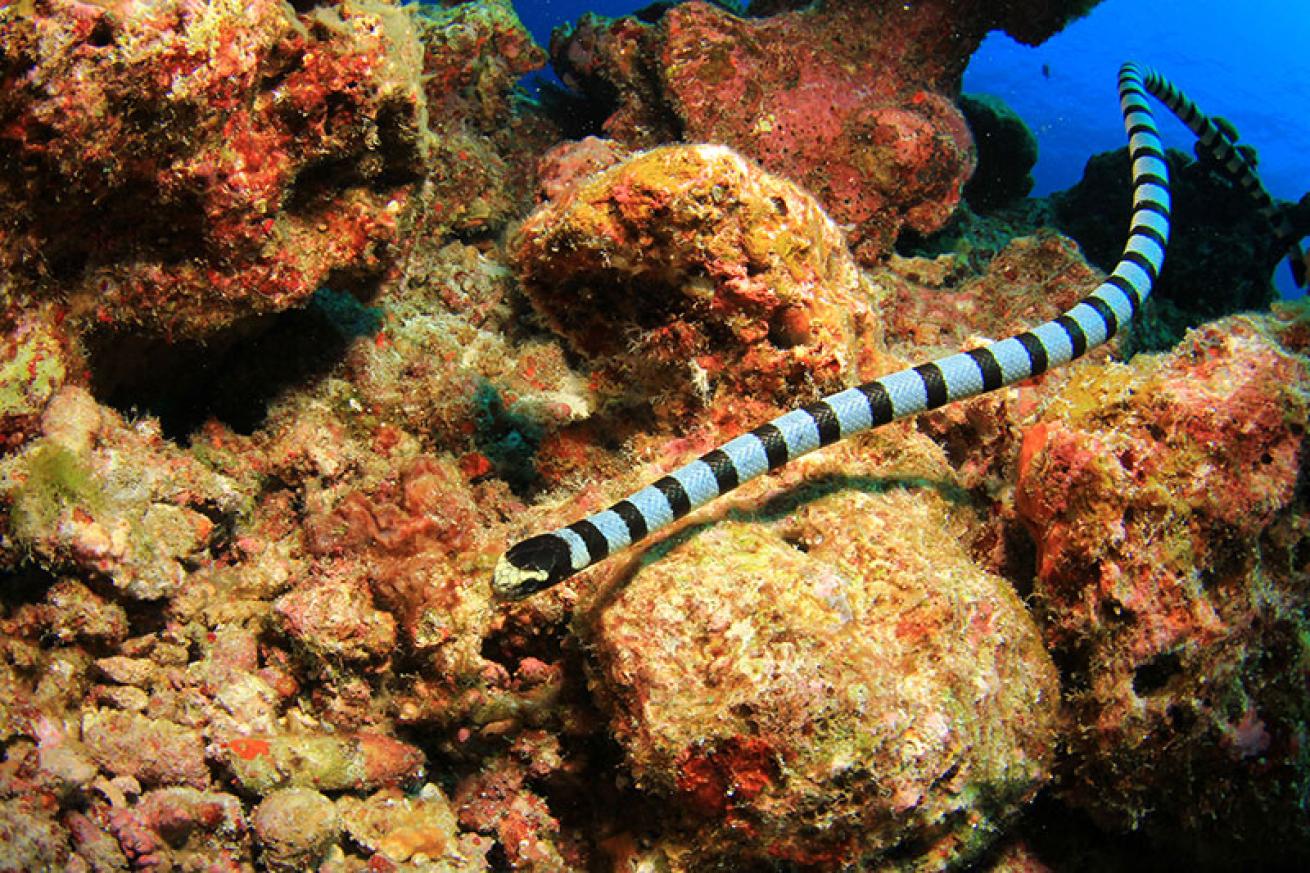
x,y
268,642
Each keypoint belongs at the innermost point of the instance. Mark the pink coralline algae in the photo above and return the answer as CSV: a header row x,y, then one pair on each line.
x,y
1167,499
182,166
866,123
935,306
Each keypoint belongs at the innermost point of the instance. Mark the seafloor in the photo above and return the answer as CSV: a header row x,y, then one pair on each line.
x,y
308,314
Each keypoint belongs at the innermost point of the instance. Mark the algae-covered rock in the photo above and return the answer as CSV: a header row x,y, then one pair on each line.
x,y
294,828
198,827
33,366
108,498
30,837
420,830
334,620
153,751
690,274
828,680
1167,498
77,613
324,762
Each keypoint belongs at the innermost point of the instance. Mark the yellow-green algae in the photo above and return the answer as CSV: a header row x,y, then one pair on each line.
x,y
32,368
55,481
690,274
111,498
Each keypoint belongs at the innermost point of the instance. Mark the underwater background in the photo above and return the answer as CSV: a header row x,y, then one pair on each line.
x,y
1247,62
752,456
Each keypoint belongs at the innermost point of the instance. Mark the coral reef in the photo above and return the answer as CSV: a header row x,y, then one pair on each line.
x,y
305,314
1168,505
689,273
188,166
851,99
853,104
99,495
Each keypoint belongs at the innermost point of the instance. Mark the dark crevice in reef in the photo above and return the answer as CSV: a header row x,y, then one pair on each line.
x,y
577,115
122,225
1066,839
1074,664
1019,561
1155,674
233,377
27,584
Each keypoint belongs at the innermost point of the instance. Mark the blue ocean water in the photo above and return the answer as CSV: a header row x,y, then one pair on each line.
x,y
1248,62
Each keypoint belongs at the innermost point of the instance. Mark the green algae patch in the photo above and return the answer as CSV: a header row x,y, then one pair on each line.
x,y
31,370
56,481
113,499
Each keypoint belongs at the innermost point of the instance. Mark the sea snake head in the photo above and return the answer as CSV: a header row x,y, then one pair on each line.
x,y
531,566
